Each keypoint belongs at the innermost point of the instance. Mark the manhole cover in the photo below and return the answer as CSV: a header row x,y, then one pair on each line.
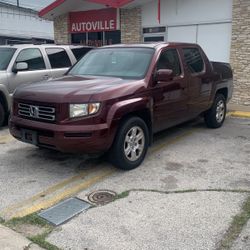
x,y
101,197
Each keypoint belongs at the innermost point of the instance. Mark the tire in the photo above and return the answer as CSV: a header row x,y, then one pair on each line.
x,y
130,145
215,116
2,115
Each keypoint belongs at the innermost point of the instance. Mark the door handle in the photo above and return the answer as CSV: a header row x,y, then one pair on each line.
x,y
45,77
206,80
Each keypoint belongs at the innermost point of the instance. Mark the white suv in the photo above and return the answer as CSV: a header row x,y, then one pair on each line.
x,y
29,63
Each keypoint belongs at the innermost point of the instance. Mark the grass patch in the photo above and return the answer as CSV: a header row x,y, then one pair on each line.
x,y
41,241
32,219
239,221
2,220
122,195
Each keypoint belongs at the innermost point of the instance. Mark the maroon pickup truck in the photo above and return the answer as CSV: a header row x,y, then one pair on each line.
x,y
116,97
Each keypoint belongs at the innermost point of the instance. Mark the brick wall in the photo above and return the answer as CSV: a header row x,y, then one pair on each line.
x,y
240,51
131,25
62,35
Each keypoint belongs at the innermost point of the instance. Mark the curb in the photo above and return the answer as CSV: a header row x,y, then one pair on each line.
x,y
239,114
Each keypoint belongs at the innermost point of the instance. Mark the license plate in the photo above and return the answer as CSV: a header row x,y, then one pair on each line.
x,y
29,136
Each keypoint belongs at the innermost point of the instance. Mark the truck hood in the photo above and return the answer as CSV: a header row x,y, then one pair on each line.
x,y
70,89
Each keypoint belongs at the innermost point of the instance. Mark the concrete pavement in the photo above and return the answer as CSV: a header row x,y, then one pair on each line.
x,y
204,160
187,157
149,220
10,240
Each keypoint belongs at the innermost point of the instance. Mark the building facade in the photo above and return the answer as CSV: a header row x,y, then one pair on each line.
x,y
23,25
221,27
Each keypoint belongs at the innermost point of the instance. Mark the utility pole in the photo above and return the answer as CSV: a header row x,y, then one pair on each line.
x,y
17,3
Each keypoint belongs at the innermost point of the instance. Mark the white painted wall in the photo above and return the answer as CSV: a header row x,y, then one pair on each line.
x,y
20,23
179,12
207,23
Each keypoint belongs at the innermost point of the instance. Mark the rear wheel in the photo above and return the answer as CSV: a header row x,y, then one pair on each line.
x,y
130,145
2,115
215,116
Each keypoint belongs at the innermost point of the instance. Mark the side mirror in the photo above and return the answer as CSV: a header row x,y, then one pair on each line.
x,y
20,66
163,75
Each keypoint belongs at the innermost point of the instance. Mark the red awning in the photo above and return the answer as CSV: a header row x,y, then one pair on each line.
x,y
59,3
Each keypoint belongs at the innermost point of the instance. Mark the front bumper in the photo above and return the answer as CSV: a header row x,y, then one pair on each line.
x,y
65,138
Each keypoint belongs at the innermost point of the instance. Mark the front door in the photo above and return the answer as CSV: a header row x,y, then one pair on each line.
x,y
170,96
36,71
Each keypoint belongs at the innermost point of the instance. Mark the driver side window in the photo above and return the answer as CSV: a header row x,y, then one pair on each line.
x,y
33,58
169,59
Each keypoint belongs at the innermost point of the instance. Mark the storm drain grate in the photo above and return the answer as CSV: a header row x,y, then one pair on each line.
x,y
64,211
101,197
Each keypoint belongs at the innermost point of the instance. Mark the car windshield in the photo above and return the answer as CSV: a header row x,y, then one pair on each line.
x,y
131,63
5,57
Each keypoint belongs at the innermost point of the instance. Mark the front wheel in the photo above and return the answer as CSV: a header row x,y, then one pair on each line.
x,y
215,116
130,145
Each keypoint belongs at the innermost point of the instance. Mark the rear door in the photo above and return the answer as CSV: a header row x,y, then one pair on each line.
x,y
170,96
59,61
198,73
37,68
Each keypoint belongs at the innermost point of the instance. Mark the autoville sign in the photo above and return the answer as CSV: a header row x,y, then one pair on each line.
x,y
93,20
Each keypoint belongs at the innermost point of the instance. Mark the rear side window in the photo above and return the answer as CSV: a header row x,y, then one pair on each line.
x,y
33,58
58,58
79,52
169,59
193,60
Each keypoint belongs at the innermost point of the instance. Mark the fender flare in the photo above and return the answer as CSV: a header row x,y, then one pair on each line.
x,y
125,107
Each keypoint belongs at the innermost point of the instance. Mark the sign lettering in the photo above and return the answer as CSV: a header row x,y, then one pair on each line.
x,y
93,20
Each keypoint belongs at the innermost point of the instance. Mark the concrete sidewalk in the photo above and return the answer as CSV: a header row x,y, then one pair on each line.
x,y
236,107
10,240
150,220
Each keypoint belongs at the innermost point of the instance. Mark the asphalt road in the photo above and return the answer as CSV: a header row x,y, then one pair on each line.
x,y
209,168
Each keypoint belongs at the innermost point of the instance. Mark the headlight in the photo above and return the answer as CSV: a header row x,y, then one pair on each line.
x,y
78,110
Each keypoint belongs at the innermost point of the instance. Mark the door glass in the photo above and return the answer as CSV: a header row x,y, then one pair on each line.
x,y
112,37
79,38
95,39
33,58
6,55
169,59
194,60
58,58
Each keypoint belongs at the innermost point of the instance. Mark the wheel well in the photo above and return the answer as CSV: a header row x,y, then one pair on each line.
x,y
145,115
3,101
224,92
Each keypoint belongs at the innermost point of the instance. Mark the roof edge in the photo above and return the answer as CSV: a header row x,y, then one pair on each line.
x,y
50,7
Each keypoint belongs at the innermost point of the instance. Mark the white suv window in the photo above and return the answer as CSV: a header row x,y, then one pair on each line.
x,y
33,58
58,58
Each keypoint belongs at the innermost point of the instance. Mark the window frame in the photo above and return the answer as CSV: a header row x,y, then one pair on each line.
x,y
42,56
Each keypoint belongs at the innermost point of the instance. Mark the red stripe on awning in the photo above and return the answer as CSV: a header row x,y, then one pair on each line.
x,y
110,3
50,7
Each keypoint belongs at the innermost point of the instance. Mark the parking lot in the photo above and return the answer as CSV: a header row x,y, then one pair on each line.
x,y
192,183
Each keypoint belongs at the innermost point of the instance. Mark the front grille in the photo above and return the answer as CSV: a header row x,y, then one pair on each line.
x,y
37,112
